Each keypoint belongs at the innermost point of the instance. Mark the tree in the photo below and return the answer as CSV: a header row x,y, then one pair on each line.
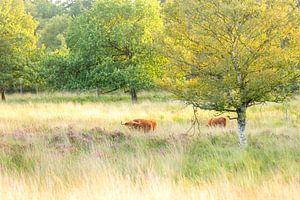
x,y
116,38
17,42
229,55
43,9
63,72
76,7
53,34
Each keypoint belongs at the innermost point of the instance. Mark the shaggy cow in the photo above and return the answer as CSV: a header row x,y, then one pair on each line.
x,y
141,124
147,122
219,121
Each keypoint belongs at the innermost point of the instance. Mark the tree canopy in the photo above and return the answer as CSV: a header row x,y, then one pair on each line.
x,y
117,39
17,42
53,34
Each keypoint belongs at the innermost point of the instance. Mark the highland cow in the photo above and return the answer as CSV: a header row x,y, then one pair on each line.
x,y
219,121
141,124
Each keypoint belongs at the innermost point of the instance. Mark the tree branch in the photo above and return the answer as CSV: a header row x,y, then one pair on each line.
x,y
109,91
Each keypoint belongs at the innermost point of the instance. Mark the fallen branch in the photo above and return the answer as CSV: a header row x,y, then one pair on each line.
x,y
231,118
195,121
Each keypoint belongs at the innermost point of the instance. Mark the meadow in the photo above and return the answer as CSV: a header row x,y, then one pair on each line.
x,y
73,146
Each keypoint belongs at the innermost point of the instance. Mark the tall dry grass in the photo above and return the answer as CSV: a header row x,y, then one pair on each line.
x,y
108,185
172,116
46,152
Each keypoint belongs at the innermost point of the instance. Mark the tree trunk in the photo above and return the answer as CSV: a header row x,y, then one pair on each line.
x,y
3,98
21,89
97,92
133,96
241,120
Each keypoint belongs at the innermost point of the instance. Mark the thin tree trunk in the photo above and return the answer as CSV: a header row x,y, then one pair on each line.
x,y
241,120
133,95
21,89
3,98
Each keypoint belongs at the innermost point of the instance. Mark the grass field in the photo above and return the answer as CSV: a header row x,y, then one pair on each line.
x,y
56,146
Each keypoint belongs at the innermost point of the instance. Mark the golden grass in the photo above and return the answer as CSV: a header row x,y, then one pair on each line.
x,y
93,178
105,184
172,117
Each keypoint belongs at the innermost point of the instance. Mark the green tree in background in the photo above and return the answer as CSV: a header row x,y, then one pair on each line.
x,y
63,72
17,42
43,9
116,38
76,7
229,55
53,34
